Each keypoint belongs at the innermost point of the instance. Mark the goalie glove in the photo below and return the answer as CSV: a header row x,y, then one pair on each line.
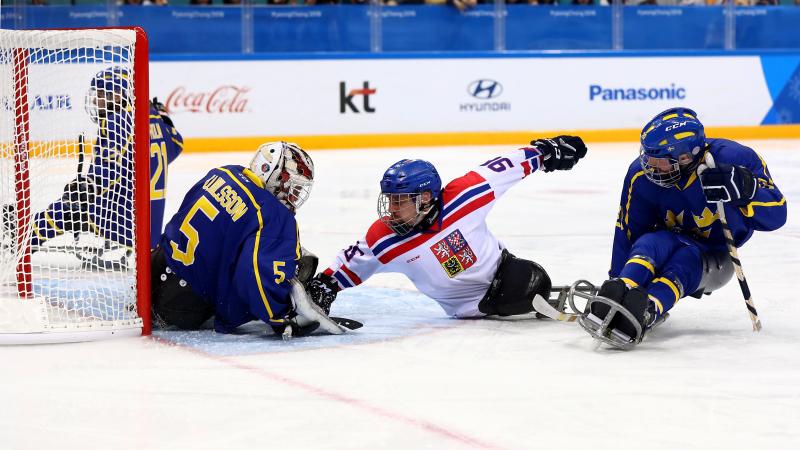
x,y
298,326
162,111
323,289
306,265
560,152
305,316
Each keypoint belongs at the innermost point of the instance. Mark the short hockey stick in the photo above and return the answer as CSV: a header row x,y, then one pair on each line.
x,y
80,153
737,264
546,309
350,324
565,296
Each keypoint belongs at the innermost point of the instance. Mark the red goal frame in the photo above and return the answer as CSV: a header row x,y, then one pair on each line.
x,y
141,173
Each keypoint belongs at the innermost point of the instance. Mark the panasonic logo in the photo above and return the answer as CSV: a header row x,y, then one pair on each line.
x,y
611,94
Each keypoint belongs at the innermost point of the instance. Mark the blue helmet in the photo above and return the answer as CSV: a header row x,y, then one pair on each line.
x,y
114,78
411,176
675,137
401,186
109,85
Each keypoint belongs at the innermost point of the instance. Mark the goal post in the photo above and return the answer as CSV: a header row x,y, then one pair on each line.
x,y
74,185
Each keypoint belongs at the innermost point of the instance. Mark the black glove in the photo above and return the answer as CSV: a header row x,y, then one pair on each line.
x,y
322,289
306,265
162,111
78,195
80,191
728,184
560,152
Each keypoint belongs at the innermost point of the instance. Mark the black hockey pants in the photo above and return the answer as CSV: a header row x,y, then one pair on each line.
x,y
173,300
515,284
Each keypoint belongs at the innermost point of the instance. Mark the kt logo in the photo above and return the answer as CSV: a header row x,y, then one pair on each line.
x,y
346,98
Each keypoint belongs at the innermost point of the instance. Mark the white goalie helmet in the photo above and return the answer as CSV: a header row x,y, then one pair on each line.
x,y
286,170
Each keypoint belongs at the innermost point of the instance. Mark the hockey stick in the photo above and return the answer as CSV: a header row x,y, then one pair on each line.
x,y
350,324
566,294
94,260
546,309
80,154
737,264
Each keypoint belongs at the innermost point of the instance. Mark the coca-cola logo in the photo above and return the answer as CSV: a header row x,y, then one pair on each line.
x,y
226,99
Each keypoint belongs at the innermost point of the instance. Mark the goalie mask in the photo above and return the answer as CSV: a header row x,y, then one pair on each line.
x,y
109,91
286,170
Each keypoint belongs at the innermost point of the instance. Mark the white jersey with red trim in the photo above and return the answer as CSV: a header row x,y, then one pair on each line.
x,y
455,260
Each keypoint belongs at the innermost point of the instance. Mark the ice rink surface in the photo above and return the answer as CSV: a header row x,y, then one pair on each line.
x,y
413,378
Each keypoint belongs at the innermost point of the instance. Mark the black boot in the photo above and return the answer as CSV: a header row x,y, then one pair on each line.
x,y
613,289
638,304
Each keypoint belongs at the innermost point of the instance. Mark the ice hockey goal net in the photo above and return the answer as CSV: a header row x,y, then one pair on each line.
x,y
74,185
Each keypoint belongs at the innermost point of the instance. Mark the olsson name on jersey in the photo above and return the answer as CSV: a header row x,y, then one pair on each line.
x,y
226,196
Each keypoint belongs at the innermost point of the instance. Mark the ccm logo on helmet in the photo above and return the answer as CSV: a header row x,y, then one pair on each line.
x,y
677,125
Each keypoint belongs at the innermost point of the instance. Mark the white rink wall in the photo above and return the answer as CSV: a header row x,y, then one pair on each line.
x,y
223,105
299,97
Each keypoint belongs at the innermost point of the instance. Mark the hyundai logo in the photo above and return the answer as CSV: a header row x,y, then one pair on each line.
x,y
485,89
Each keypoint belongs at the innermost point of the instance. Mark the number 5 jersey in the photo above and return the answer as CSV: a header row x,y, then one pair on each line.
x,y
236,245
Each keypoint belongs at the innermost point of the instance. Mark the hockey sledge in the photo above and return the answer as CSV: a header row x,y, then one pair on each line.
x,y
562,307
562,297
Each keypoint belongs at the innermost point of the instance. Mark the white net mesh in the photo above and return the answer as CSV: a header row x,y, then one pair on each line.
x,y
67,249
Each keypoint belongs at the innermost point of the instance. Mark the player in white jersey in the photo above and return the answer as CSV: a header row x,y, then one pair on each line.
x,y
439,238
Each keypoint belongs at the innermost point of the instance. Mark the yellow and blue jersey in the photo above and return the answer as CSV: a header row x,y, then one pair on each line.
x,y
682,209
112,160
110,214
166,143
236,245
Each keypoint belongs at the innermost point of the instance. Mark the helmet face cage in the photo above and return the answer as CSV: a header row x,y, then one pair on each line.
x,y
90,105
664,172
286,170
108,91
388,202
292,185
402,185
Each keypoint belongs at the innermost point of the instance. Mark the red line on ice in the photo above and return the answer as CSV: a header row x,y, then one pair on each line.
x,y
330,395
